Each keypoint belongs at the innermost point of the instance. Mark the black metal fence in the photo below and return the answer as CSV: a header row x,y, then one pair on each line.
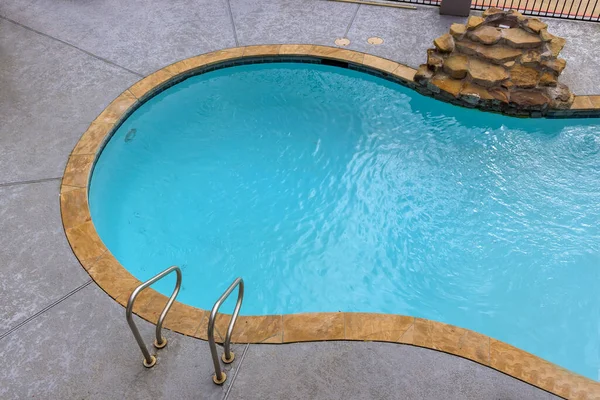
x,y
582,10
425,2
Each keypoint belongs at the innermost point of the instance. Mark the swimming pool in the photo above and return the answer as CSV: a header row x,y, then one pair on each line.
x,y
327,189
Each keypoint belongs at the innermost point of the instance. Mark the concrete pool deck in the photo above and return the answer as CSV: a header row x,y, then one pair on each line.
x,y
62,337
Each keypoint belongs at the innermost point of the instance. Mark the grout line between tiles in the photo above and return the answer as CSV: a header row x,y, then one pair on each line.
x,y
43,310
236,372
72,45
5,184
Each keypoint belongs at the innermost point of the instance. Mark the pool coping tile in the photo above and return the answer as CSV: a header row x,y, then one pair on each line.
x,y
74,206
149,83
376,327
296,49
595,100
379,63
93,138
262,50
118,107
256,329
582,103
118,283
311,327
85,242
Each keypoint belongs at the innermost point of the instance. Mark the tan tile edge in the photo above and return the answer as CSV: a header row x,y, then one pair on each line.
x,y
431,338
583,103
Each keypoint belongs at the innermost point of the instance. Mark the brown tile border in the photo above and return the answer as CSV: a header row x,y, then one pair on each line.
x,y
115,280
582,107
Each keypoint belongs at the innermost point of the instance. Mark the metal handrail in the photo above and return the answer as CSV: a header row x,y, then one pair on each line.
x,y
160,341
219,377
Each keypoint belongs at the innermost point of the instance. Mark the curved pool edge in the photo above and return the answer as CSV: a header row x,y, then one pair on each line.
x,y
118,283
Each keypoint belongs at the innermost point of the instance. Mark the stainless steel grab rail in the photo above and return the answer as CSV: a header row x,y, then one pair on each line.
x,y
219,377
160,341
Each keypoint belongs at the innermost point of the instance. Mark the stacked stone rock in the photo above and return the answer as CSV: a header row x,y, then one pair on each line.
x,y
501,62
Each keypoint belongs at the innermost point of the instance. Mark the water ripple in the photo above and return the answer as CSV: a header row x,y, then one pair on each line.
x,y
331,190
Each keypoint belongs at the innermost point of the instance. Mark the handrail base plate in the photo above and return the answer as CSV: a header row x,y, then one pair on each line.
x,y
152,363
221,381
228,361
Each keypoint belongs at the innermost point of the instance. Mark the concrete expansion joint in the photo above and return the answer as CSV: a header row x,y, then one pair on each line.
x,y
43,310
236,371
235,37
27,182
352,20
73,46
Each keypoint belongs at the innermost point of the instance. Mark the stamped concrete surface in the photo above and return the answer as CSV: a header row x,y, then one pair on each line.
x,y
291,21
37,265
42,115
141,35
61,63
406,34
354,370
70,353
582,73
82,349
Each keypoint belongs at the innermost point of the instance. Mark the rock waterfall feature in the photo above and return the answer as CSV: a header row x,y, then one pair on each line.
x,y
502,62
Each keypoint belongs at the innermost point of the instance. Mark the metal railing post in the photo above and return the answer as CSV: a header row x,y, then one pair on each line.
x,y
228,356
160,341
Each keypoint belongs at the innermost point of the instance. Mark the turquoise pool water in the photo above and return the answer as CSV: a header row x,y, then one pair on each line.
x,y
332,190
